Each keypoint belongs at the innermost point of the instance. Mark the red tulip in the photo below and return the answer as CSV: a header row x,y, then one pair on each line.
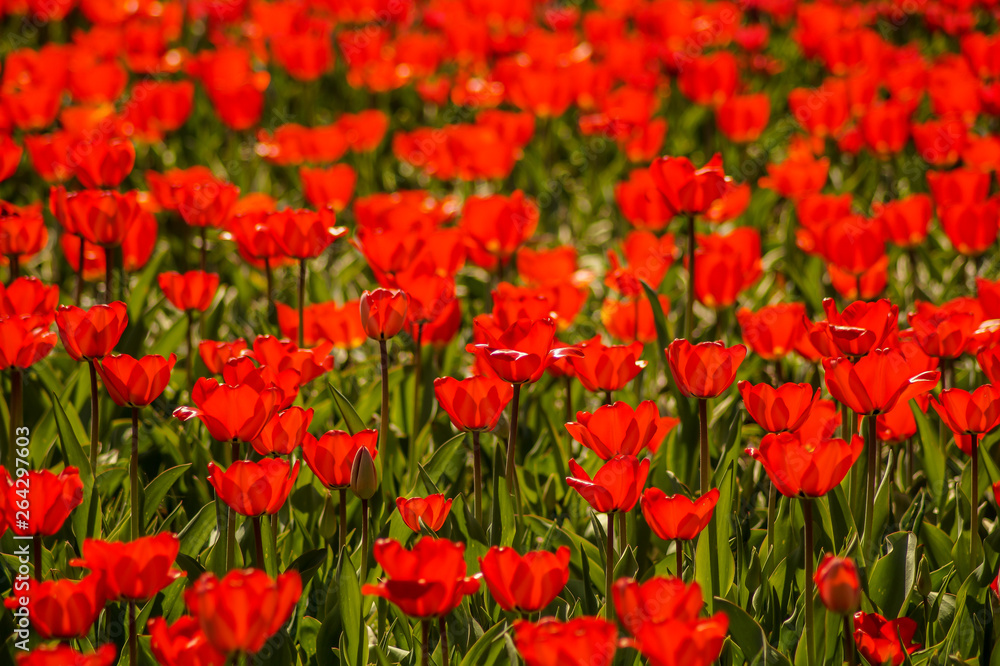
x,y
971,228
704,370
215,354
228,610
64,655
193,290
284,433
688,190
521,353
432,511
584,641
333,186
135,382
93,333
22,346
774,331
876,382
498,225
202,201
103,217
30,299
656,601
607,367
966,413
803,468
232,411
838,584
743,117
61,609
22,231
944,333
182,643
905,221
136,570
778,409
615,487
10,157
647,258
51,499
330,457
674,517
628,320
280,356
619,430
725,266
304,234
708,79
426,582
254,488
383,313
860,328
474,403
882,641
525,583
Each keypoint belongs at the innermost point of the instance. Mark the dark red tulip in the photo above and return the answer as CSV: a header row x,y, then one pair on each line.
x,y
62,609
615,487
882,641
228,609
778,409
584,641
426,582
876,382
524,583
619,430
182,643
330,457
254,488
838,584
135,382
136,570
674,517
432,511
93,333
474,403
383,313
193,290
704,370
801,468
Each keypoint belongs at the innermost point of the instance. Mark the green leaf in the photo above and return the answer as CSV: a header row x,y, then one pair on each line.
x,y
749,636
158,489
934,463
196,533
347,411
892,577
355,637
487,649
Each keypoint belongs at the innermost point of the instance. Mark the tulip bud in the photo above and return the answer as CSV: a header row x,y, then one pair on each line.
x,y
839,587
364,477
924,583
383,313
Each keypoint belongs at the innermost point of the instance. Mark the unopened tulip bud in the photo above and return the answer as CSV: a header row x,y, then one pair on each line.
x,y
364,477
924,584
838,584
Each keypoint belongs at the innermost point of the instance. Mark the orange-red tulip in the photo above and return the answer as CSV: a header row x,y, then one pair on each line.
x,y
704,370
383,313
778,409
136,570
838,584
432,511
876,382
330,457
254,488
135,382
584,641
93,333
524,583
193,290
674,517
800,468
62,609
619,430
615,487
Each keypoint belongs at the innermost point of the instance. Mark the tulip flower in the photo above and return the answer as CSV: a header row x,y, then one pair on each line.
x,y
89,335
704,371
614,488
807,470
943,333
426,582
838,584
228,610
583,641
431,511
607,367
234,412
497,226
134,571
21,346
778,409
619,430
189,292
882,641
973,415
474,405
61,655
62,609
50,499
22,234
525,583
252,489
677,518
773,331
519,355
182,643
31,300
216,353
689,191
860,328
284,433
106,163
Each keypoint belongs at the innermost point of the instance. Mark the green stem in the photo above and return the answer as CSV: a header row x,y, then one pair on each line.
x,y
258,543
302,302
36,548
425,649
231,521
974,503
689,311
609,570
343,518
849,641
134,477
772,514
679,554
622,531
443,630
189,361
706,462
133,645
95,418
383,432
364,540
418,371
807,518
477,471
870,489
512,439
16,413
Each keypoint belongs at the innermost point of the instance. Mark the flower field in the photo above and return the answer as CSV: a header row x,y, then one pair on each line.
x,y
474,332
